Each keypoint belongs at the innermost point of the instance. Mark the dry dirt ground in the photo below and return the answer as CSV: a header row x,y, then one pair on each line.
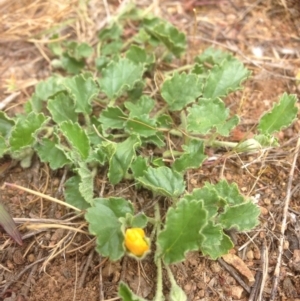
x,y
265,35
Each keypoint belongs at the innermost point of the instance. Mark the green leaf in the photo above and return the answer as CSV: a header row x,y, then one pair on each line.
x,y
62,108
209,115
164,181
112,117
211,200
139,166
86,185
224,78
3,147
243,217
165,32
6,125
49,87
120,157
72,194
126,294
228,192
180,90
111,32
213,56
282,115
82,90
139,221
79,50
139,55
181,232
193,156
143,126
143,106
48,152
77,138
120,76
218,249
104,223
23,133
70,64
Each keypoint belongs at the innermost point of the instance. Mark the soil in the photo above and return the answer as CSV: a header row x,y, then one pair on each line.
x,y
265,35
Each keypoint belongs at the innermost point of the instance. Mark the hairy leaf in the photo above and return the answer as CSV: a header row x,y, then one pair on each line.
x,y
281,115
120,76
180,90
104,223
163,181
182,230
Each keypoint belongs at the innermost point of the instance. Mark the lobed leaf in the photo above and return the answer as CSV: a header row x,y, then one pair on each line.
x,y
23,133
211,199
165,32
143,106
210,115
77,138
182,230
223,246
3,147
227,192
119,77
224,78
120,157
48,151
86,185
281,115
108,232
6,125
112,117
193,156
142,126
62,108
180,90
243,217
164,181
82,90
72,194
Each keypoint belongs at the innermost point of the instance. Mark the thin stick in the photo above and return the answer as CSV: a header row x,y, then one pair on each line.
x,y
86,267
49,198
8,99
234,274
283,224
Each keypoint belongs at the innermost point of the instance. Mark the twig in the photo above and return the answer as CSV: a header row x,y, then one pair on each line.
x,y
101,293
8,99
26,286
41,195
283,224
234,274
265,266
255,287
86,267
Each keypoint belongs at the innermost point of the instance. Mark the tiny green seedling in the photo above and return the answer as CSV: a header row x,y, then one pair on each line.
x,y
108,117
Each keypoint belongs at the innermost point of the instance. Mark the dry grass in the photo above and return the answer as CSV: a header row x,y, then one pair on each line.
x,y
21,20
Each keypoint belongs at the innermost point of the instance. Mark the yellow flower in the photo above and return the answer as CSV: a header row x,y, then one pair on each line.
x,y
136,242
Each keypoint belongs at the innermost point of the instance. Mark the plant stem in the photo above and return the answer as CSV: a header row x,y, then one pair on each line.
x,y
159,285
182,68
159,289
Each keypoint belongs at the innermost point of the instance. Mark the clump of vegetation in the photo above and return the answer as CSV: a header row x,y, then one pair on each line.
x,y
110,116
